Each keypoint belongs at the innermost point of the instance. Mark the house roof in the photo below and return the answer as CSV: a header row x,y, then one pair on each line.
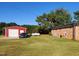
x,y
65,26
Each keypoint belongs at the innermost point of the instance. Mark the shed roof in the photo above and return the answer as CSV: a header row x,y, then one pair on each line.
x,y
16,27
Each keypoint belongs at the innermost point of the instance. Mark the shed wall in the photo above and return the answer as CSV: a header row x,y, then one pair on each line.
x,y
14,27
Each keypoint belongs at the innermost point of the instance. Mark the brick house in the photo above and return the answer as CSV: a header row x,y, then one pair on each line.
x,y
67,31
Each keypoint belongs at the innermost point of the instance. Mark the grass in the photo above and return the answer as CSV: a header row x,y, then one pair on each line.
x,y
43,45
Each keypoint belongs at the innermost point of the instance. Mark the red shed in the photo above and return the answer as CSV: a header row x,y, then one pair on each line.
x,y
14,31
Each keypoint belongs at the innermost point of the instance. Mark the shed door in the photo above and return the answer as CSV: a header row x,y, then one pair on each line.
x,y
13,33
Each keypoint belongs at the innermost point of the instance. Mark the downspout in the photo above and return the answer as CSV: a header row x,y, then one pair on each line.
x,y
73,27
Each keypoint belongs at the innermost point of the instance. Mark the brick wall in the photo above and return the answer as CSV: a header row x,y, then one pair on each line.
x,y
65,32
76,33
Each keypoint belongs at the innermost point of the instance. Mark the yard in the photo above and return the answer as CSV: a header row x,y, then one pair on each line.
x,y
43,45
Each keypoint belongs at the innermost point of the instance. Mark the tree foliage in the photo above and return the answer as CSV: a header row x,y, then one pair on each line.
x,y
76,16
31,28
59,17
11,24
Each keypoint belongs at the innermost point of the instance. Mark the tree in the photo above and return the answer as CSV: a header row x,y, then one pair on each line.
x,y
62,17
59,17
76,16
11,24
2,25
54,18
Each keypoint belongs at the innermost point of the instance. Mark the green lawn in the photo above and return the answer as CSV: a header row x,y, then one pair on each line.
x,y
43,45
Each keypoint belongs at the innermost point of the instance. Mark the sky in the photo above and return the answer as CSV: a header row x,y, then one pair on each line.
x,y
26,12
